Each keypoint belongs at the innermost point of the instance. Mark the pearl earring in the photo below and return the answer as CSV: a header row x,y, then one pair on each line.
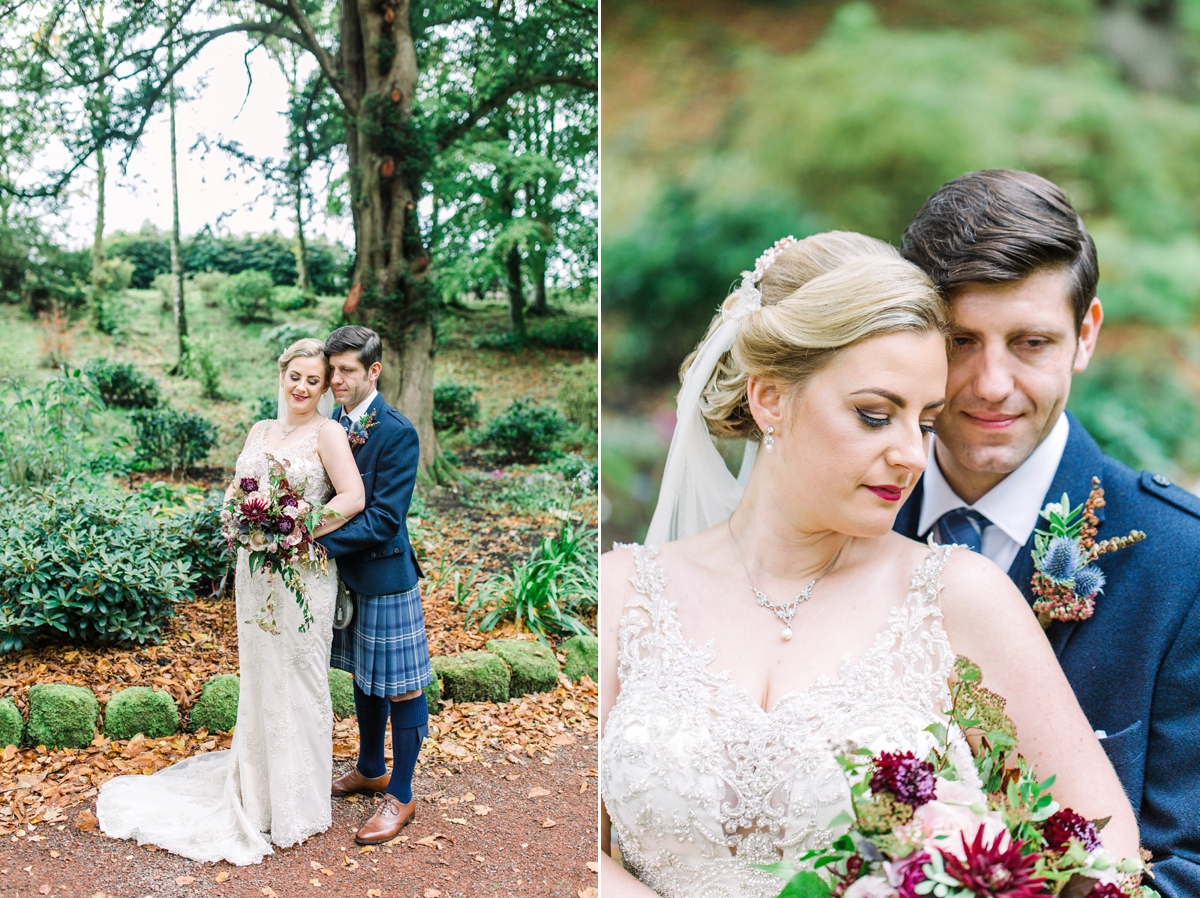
x,y
769,438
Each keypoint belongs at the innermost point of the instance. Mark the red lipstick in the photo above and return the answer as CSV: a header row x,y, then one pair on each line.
x,y
890,493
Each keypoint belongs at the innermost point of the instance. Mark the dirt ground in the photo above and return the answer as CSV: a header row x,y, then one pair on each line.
x,y
504,826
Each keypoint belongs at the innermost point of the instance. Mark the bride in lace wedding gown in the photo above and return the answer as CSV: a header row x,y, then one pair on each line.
x,y
273,784
774,619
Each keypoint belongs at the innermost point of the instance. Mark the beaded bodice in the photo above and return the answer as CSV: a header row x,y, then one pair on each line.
x,y
305,472
702,784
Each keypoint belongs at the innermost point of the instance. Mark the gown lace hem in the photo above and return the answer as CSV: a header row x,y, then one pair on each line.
x,y
701,783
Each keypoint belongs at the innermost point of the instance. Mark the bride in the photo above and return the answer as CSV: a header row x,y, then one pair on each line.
x,y
771,617
272,785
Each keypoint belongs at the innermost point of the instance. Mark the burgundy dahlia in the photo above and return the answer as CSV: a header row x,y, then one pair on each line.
x,y
909,779
1066,825
287,500
1106,890
285,525
993,871
248,484
255,510
905,875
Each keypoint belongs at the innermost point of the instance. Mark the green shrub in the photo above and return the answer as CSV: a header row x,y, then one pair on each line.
x,y
198,542
341,692
248,295
148,251
507,341
579,395
11,724
86,563
267,408
433,693
548,592
171,439
454,405
282,336
140,709
51,430
292,299
61,716
216,709
565,333
533,665
110,308
201,366
525,431
473,677
582,657
122,384
165,285
209,283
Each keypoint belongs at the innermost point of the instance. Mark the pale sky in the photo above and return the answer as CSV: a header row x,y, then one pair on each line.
x,y
219,107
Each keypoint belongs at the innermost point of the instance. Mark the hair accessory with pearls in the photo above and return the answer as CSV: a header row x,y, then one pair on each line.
x,y
748,294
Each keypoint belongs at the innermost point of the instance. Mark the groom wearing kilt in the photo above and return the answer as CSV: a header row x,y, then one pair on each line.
x,y
384,645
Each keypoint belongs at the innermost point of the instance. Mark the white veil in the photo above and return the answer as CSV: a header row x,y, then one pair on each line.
x,y
325,404
697,489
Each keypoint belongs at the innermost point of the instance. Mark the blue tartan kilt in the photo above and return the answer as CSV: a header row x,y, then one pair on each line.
x,y
384,647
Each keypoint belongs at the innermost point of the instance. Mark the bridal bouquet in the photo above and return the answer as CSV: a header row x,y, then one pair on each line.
x,y
275,524
925,827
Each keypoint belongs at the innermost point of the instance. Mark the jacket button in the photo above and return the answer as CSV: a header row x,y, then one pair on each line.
x,y
372,554
1161,480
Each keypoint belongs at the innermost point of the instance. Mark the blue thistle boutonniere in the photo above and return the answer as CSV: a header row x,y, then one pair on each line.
x,y
1067,582
358,430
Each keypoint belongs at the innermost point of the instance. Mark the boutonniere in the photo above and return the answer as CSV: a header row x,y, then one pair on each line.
x,y
1067,582
358,430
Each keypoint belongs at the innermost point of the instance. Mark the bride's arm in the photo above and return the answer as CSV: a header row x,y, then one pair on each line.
x,y
988,620
616,567
334,448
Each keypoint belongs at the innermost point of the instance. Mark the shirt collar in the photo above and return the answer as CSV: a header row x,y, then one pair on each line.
x,y
361,409
1014,503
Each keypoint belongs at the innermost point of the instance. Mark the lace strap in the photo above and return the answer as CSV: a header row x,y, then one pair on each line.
x,y
926,585
645,611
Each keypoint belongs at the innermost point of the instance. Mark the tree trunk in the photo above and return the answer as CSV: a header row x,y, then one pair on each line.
x,y
98,238
1144,39
516,295
538,264
301,248
176,260
380,63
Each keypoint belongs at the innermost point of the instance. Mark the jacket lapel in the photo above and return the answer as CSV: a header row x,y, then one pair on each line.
x,y
910,513
1081,460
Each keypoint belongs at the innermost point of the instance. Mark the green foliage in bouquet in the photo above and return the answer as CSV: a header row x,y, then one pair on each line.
x,y
61,716
140,709
85,563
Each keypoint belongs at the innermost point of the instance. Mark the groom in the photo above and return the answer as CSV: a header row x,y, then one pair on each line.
x,y
1019,270
384,645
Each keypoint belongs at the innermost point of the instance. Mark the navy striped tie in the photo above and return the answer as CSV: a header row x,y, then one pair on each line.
x,y
963,526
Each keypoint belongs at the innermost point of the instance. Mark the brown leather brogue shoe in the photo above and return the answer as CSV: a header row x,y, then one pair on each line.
x,y
354,783
387,821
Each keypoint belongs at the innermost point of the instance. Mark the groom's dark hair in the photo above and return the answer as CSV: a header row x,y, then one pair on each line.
x,y
1001,226
358,339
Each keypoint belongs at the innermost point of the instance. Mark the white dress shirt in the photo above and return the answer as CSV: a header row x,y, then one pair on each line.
x,y
361,409
1012,505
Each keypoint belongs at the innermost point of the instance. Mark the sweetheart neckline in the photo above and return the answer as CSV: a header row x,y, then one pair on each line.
x,y
846,670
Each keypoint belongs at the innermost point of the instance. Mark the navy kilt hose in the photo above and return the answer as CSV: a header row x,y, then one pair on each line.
x,y
384,646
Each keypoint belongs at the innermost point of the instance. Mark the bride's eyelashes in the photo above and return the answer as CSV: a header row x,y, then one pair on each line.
x,y
878,420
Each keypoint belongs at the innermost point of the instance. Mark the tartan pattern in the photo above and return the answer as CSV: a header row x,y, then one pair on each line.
x,y
963,527
384,647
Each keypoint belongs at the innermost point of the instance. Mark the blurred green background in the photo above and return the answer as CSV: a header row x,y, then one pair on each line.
x,y
727,125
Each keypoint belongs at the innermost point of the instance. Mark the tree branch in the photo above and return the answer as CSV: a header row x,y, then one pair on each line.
x,y
456,132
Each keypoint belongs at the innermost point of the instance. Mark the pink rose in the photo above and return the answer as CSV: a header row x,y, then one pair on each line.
x,y
258,542
293,539
954,792
303,507
291,512
943,827
871,887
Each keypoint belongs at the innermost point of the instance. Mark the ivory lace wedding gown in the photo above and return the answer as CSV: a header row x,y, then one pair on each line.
x,y
701,783
273,783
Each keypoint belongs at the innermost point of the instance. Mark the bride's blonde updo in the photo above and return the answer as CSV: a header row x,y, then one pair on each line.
x,y
819,295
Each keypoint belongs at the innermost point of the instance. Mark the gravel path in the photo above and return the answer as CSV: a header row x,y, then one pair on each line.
x,y
477,832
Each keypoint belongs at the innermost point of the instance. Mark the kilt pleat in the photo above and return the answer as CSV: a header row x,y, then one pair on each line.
x,y
384,647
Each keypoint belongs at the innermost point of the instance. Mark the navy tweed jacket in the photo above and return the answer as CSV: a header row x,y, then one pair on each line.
x,y
1135,664
373,551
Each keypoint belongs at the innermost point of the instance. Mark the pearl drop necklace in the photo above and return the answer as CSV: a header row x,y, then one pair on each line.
x,y
786,611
